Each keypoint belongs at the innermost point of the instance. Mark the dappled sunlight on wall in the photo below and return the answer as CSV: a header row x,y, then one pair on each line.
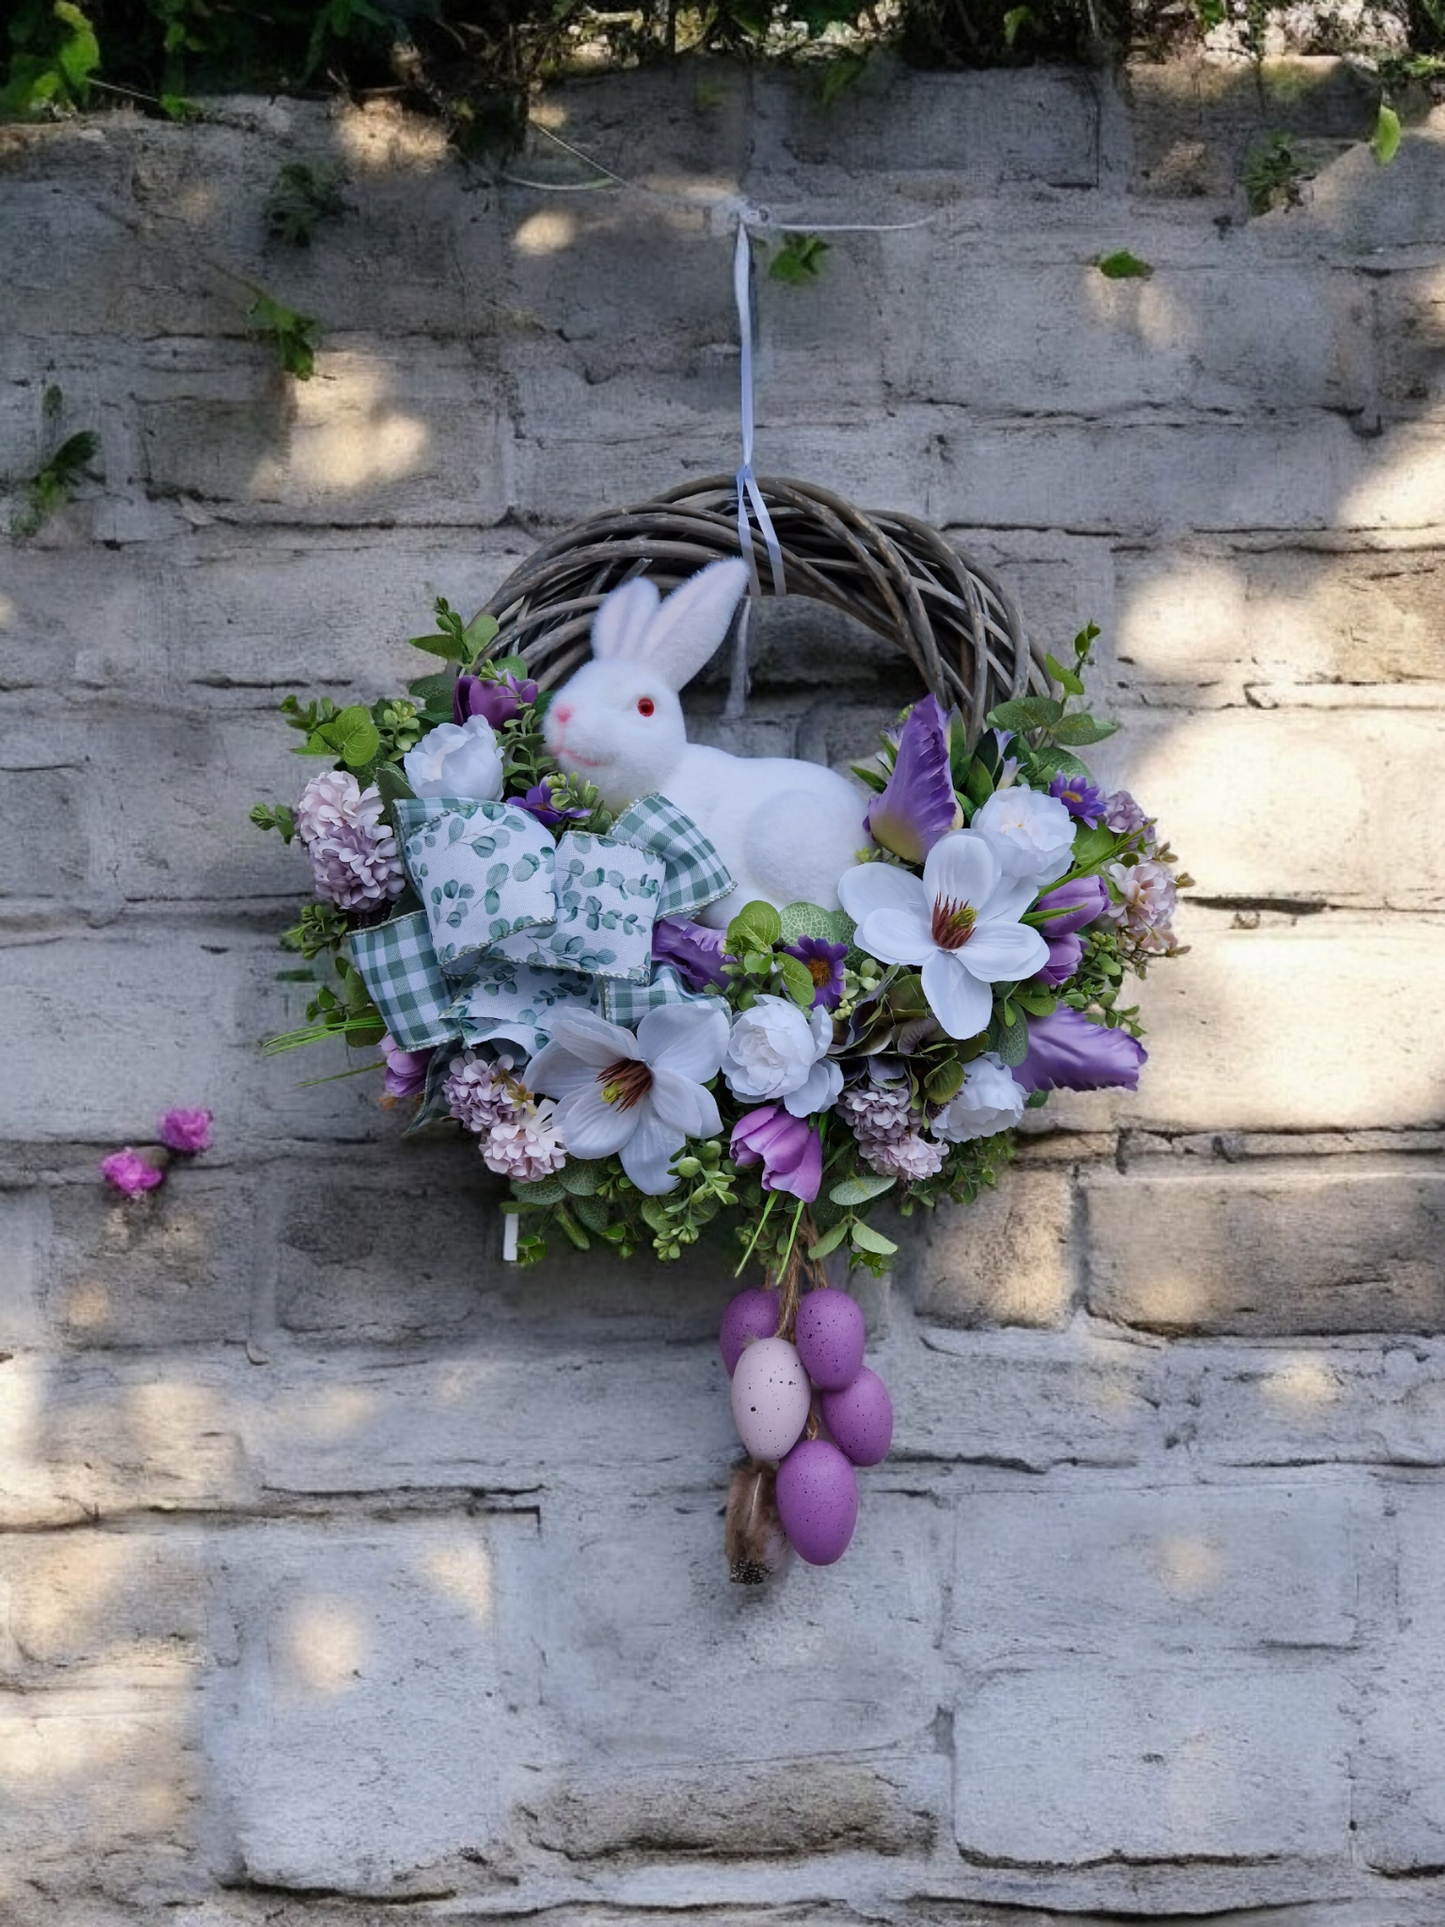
x,y
344,433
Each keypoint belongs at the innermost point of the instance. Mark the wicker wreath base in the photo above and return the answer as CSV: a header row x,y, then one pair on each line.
x,y
956,623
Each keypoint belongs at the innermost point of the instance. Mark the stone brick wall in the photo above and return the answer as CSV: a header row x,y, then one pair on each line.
x,y
347,1576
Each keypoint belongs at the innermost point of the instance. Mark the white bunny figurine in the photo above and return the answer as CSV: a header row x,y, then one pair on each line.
x,y
787,830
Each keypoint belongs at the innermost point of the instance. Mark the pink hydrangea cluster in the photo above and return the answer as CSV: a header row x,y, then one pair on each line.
x,y
354,859
1147,898
526,1147
883,1123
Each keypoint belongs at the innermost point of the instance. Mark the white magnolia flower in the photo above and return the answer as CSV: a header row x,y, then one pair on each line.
x,y
454,760
960,922
777,1050
642,1096
1031,834
988,1101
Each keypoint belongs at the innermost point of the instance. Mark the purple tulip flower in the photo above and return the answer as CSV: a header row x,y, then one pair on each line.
x,y
694,951
1081,902
1068,1053
405,1070
824,962
185,1131
918,806
790,1149
539,801
499,702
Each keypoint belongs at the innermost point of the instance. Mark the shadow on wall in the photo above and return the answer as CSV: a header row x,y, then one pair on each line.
x,y
241,1695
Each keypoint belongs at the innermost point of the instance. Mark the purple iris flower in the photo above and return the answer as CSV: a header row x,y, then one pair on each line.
x,y
824,963
790,1149
539,801
1081,798
1081,902
694,951
1068,1053
499,702
918,806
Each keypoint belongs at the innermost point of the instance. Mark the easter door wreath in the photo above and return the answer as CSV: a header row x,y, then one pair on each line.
x,y
661,984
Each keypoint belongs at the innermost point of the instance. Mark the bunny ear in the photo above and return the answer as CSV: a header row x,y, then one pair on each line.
x,y
622,618
693,620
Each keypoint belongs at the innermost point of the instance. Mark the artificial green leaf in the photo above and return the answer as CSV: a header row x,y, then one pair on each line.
x,y
1014,21
873,778
865,1238
580,1176
354,735
1123,266
1386,141
1067,677
478,633
799,981
573,1230
757,926
808,920
434,693
944,1081
1048,763
591,1212
830,1240
79,53
543,1191
440,645
1093,845
1080,730
656,1215
1011,1041
1030,712
859,1190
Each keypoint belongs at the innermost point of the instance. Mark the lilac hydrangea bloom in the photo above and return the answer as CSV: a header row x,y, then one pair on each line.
x,y
1081,798
824,962
1125,817
188,1132
694,951
1068,1053
499,702
918,806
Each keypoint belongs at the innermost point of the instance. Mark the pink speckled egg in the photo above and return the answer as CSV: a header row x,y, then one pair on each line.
x,y
818,1501
771,1397
830,1338
752,1314
860,1417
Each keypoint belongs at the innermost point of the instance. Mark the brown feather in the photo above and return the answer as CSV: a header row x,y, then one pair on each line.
x,y
753,1536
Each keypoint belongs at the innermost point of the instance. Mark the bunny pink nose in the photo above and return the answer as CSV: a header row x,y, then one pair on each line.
x,y
563,714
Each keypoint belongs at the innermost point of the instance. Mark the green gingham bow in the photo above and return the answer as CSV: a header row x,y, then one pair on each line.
x,y
515,927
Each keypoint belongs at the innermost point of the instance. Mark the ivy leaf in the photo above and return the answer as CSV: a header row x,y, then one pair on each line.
x,y
865,1238
1080,730
1123,266
1386,141
293,335
798,258
859,1190
1030,712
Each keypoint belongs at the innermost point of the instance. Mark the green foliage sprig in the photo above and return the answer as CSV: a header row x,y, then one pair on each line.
x,y
58,477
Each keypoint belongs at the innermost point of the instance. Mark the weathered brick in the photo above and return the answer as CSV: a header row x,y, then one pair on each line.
x,y
1361,849
135,1603
24,1239
1005,1260
1203,1568
1245,1759
386,431
1276,1247
1226,618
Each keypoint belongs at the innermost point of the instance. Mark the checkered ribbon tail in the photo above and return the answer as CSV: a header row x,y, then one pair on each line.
x,y
399,967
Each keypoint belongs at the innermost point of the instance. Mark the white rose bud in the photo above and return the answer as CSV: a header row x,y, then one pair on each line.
x,y
457,761
1032,835
776,1051
989,1101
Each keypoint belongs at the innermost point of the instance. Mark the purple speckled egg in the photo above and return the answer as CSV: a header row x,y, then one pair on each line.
x,y
771,1397
860,1417
830,1338
818,1501
752,1314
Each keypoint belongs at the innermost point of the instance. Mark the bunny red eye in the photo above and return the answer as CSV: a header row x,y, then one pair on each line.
x,y
644,705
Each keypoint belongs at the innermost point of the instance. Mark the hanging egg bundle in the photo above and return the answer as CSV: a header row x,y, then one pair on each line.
x,y
800,1488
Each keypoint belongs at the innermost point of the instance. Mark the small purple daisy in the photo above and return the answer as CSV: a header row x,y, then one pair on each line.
x,y
824,963
1079,797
